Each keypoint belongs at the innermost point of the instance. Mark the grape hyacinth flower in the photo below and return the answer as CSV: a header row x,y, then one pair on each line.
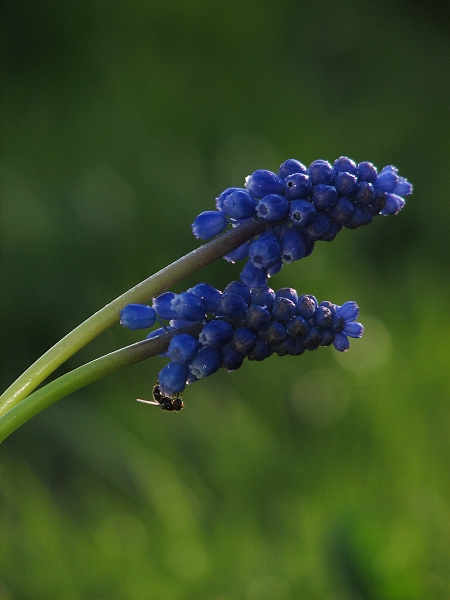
x,y
275,219
319,200
297,206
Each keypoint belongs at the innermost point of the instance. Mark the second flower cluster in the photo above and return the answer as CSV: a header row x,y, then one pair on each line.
x,y
243,323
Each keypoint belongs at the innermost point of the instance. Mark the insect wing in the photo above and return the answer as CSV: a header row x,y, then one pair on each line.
x,y
148,402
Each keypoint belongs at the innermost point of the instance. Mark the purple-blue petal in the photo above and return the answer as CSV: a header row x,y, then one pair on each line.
x,y
172,378
208,224
353,329
137,316
341,342
349,311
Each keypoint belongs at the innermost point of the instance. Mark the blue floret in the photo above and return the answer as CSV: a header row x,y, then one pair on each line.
x,y
283,309
320,227
322,317
208,294
346,184
266,250
403,187
343,211
216,333
137,316
258,317
172,378
387,179
293,245
291,166
306,306
320,171
182,348
232,305
224,195
298,185
253,276
244,340
287,292
324,196
311,341
238,287
345,164
188,306
341,342
261,351
163,306
367,172
366,194
263,182
262,296
393,204
231,358
348,311
274,334
297,327
302,213
207,362
272,207
239,205
208,224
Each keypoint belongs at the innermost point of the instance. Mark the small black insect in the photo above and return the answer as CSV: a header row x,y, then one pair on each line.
x,y
165,402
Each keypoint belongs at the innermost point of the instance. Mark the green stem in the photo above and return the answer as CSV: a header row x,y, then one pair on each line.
x,y
108,315
84,375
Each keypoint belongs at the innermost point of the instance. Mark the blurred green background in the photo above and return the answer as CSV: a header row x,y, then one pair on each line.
x,y
321,476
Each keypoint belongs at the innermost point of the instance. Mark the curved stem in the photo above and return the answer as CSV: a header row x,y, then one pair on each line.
x,y
109,314
88,373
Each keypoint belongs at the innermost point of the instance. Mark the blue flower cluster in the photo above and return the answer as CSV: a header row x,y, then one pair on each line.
x,y
301,205
239,323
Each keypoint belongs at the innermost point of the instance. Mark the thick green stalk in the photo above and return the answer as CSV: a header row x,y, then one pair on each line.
x,y
88,373
109,314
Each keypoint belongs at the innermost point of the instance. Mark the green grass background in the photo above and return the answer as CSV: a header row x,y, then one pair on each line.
x,y
313,477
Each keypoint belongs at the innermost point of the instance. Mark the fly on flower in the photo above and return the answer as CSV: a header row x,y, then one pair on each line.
x,y
169,403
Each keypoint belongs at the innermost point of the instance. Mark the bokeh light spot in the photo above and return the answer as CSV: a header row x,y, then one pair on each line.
x,y
320,397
